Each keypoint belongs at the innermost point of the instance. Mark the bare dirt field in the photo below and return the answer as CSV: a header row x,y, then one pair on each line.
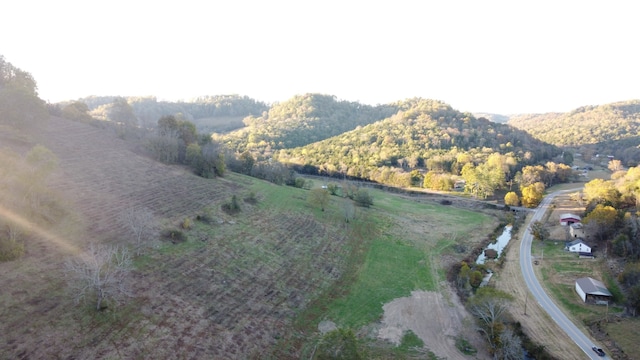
x,y
436,319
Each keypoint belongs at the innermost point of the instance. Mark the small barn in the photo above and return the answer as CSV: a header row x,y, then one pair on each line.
x,y
577,230
592,291
568,219
577,246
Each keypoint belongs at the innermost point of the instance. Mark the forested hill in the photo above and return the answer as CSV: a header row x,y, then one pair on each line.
x,y
423,133
302,120
612,129
208,113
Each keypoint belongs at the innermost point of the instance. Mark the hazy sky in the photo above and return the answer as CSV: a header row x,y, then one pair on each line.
x,y
493,56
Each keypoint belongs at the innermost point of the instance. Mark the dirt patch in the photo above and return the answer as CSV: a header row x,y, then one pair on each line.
x,y
434,318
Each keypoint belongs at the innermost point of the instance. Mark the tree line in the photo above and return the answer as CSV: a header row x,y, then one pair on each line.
x,y
145,111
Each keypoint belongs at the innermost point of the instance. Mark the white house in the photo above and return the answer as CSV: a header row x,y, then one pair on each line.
x,y
577,246
568,219
592,290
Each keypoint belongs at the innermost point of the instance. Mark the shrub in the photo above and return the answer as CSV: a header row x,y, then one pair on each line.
x,y
206,216
10,249
174,235
362,198
251,198
299,182
186,224
232,206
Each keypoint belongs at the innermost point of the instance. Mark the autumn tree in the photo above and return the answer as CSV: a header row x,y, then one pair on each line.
x,y
601,221
532,194
101,271
614,165
511,199
599,191
539,231
475,278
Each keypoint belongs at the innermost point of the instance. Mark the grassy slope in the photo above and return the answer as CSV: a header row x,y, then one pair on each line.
x,y
234,288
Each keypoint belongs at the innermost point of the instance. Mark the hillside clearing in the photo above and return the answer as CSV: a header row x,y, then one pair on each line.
x,y
235,284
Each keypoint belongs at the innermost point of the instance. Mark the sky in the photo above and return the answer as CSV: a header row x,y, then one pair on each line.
x,y
504,57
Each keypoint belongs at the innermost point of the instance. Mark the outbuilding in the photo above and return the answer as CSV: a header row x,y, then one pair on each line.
x,y
568,219
592,291
577,230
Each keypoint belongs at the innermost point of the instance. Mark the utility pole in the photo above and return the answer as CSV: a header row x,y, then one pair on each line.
x,y
526,297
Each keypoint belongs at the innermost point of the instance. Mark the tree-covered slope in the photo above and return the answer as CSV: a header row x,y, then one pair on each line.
x,y
423,133
612,129
302,120
207,112
584,125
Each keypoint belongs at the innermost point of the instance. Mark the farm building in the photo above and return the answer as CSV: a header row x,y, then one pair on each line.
x,y
592,290
577,245
568,219
577,230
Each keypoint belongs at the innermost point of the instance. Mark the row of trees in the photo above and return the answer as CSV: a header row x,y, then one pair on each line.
x,y
145,111
490,309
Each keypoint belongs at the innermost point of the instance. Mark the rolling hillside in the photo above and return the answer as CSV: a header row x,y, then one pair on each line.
x,y
201,297
422,134
610,129
302,120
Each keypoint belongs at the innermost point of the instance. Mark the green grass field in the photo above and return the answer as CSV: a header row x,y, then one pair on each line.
x,y
402,242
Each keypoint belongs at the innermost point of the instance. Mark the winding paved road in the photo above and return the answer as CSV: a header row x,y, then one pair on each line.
x,y
526,265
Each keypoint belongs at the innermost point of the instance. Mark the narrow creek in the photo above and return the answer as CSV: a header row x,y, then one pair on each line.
x,y
498,245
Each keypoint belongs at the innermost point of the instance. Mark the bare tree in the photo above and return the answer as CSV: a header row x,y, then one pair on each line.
x,y
490,312
349,210
142,224
511,345
101,270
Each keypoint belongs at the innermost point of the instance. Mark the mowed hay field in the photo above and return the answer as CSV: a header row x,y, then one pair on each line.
x,y
236,284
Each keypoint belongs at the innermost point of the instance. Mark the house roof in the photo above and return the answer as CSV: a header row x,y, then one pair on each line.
x,y
593,286
569,216
576,242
